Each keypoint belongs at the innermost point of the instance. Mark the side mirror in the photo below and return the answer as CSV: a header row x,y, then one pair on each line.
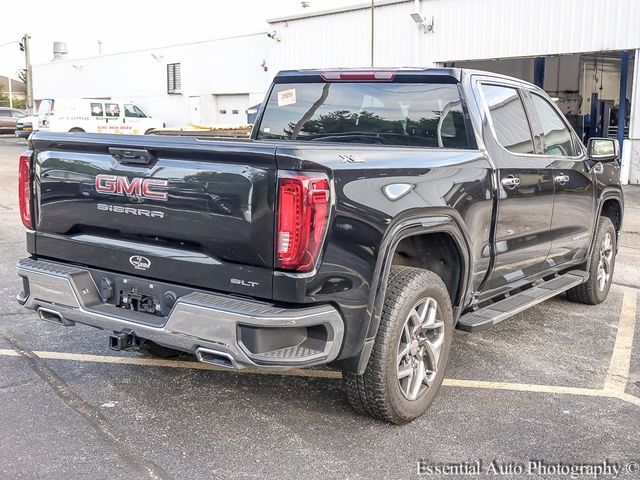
x,y
603,149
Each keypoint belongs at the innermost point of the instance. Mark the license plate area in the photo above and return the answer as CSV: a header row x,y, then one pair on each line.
x,y
136,299
137,295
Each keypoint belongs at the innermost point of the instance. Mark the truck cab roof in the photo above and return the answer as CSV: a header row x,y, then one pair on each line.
x,y
403,74
388,74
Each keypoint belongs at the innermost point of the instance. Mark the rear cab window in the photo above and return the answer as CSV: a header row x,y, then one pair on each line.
x,y
381,113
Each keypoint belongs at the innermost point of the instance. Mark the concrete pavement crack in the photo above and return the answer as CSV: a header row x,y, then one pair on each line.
x,y
90,414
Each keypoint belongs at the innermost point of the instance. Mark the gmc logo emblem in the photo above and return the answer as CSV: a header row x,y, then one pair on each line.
x,y
135,187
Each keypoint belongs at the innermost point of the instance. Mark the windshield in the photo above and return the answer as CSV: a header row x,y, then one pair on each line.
x,y
409,114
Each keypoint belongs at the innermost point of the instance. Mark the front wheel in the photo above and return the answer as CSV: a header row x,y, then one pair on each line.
x,y
600,267
76,130
410,352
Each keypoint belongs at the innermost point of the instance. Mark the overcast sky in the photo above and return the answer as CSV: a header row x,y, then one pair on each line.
x,y
133,24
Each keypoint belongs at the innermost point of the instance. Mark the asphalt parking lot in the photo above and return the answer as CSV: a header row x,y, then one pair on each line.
x,y
559,384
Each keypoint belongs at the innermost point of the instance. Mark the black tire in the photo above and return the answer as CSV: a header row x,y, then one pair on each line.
x,y
377,392
76,130
150,131
152,348
590,292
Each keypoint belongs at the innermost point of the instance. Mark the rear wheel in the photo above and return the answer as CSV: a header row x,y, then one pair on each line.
x,y
76,130
600,267
410,352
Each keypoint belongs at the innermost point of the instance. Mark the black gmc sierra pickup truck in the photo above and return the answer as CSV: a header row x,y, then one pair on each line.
x,y
370,214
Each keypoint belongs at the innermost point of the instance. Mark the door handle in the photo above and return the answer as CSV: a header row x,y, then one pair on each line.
x,y
561,179
510,182
136,156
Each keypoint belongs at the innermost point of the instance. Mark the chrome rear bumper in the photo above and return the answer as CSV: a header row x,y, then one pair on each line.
x,y
219,329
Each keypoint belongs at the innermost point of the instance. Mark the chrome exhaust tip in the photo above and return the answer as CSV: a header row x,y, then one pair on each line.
x,y
213,357
54,317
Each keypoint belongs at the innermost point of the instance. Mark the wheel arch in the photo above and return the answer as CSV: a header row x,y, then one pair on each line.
x,y
444,226
610,205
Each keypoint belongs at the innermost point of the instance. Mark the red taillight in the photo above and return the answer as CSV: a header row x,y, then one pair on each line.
x,y
24,188
304,202
358,75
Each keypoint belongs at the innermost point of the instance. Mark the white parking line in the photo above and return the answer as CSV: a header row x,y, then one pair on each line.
x,y
614,386
158,362
618,373
448,382
527,387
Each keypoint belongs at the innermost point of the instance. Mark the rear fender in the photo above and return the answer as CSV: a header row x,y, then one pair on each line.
x,y
443,221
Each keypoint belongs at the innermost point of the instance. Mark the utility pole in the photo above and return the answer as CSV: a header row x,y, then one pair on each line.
x,y
24,46
373,6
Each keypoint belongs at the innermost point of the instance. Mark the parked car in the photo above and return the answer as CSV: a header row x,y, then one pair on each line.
x,y
95,116
8,119
25,126
371,214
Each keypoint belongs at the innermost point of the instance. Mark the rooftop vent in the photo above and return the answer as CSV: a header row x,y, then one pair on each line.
x,y
60,51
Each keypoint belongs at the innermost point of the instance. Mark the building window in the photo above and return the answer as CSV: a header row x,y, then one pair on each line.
x,y
235,112
223,112
174,78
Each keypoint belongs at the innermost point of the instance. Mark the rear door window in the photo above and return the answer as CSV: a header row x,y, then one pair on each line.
x,y
46,107
508,117
403,114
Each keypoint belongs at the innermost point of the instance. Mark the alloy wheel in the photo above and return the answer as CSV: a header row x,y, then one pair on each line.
x,y
604,265
419,349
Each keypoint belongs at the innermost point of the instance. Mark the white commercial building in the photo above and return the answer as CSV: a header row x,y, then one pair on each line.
x,y
210,82
573,48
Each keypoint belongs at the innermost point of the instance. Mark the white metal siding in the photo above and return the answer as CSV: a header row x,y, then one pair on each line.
x,y
464,30
473,29
344,40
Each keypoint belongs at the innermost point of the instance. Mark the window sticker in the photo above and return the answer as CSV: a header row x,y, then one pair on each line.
x,y
287,97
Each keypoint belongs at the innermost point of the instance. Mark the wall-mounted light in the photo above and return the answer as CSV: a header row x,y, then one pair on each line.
x,y
274,36
422,22
156,57
78,67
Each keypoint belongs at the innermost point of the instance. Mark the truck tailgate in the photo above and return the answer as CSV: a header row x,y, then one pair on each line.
x,y
196,212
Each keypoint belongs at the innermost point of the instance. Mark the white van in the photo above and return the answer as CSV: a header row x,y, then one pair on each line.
x,y
95,116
